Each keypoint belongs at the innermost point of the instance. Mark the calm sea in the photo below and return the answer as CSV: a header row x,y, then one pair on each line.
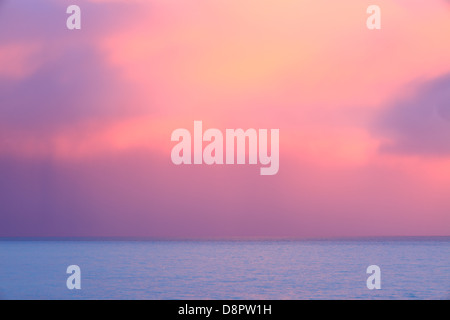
x,y
410,269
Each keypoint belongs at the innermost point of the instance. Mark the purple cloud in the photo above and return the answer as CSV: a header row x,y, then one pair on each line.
x,y
421,124
72,81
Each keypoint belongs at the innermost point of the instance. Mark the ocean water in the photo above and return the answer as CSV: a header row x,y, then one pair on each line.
x,y
410,269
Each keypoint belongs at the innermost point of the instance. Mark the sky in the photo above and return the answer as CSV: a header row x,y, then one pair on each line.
x,y
86,118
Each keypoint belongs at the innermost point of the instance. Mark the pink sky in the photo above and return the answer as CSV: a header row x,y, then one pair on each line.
x,y
86,118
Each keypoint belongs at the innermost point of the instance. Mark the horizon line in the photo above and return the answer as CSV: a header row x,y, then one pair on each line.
x,y
218,239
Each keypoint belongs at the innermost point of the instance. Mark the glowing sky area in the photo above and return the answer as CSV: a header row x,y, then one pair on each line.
x,y
86,118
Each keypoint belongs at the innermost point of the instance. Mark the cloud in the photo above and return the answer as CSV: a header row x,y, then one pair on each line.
x,y
77,158
55,77
72,88
419,125
18,60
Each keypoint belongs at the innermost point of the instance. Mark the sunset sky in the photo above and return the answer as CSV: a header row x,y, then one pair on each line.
x,y
86,117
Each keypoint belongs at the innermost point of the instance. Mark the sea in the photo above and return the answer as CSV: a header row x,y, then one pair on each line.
x,y
409,268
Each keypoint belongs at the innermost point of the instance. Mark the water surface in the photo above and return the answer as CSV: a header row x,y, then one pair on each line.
x,y
411,269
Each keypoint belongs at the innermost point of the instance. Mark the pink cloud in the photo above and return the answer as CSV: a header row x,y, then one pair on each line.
x,y
86,118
